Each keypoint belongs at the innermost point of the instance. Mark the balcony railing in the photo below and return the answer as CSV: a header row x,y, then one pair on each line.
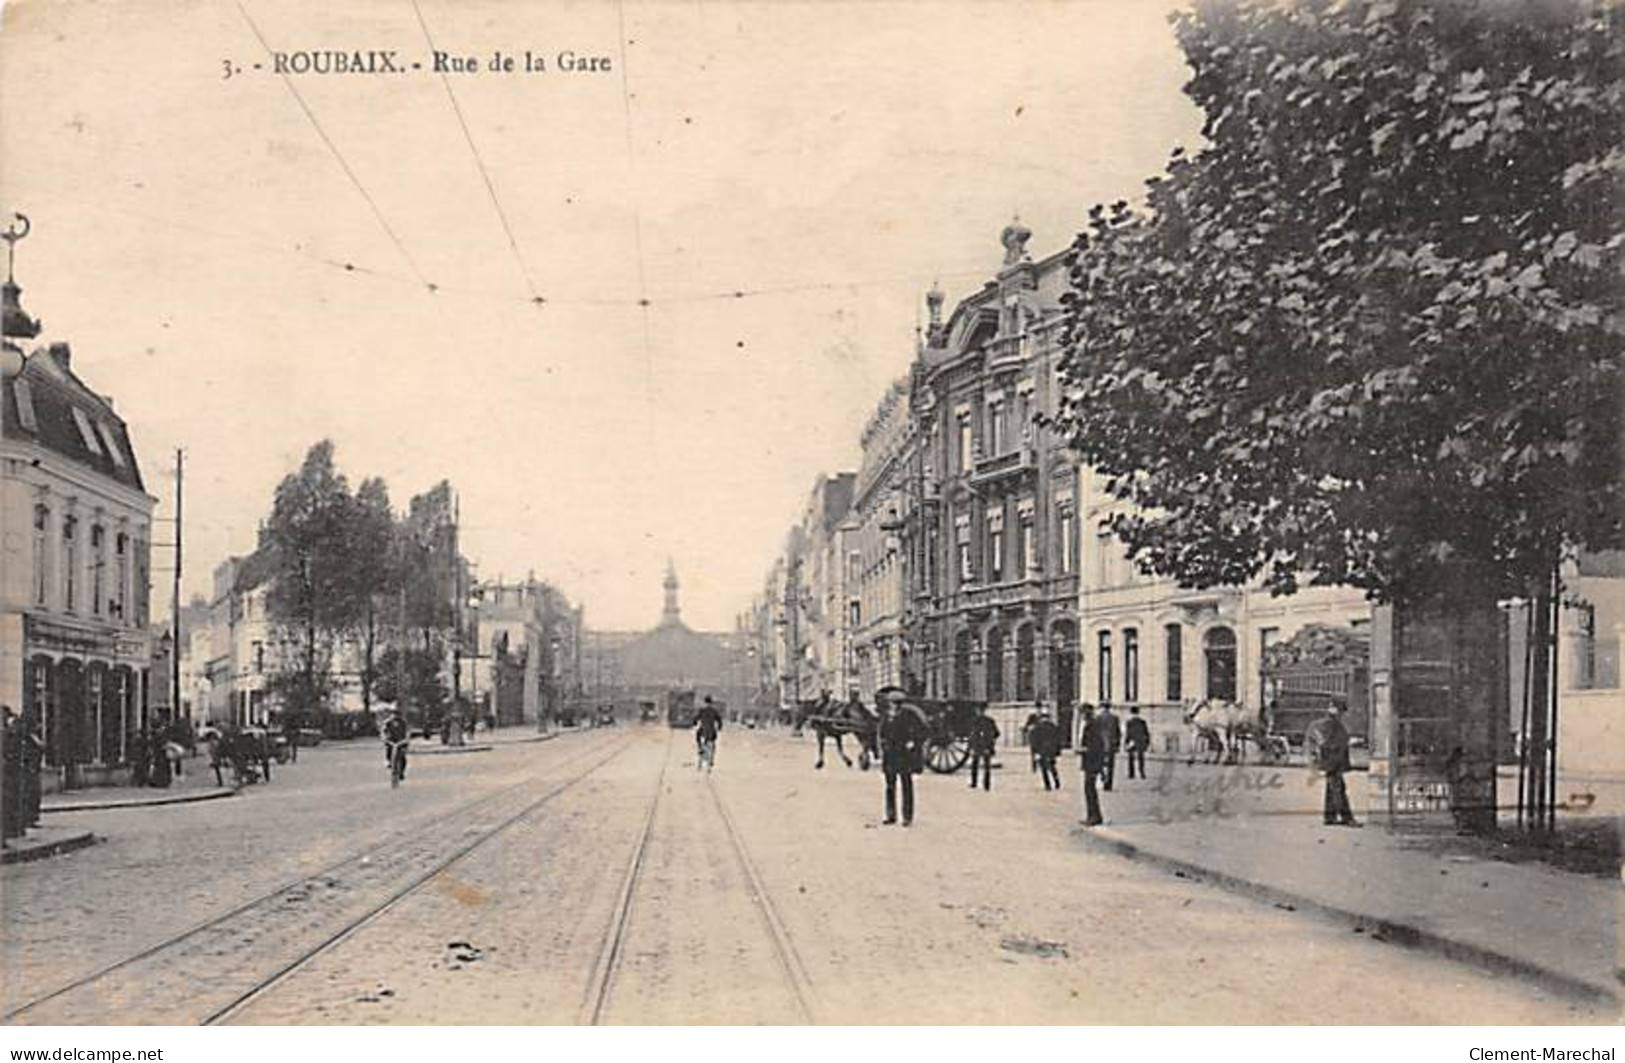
x,y
1021,459
1006,351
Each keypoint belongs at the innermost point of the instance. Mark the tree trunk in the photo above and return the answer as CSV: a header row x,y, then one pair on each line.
x,y
367,663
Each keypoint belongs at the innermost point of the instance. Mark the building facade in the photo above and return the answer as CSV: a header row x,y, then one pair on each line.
x,y
875,611
75,560
994,526
527,652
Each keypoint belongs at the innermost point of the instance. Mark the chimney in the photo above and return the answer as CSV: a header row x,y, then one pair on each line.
x,y
933,300
62,355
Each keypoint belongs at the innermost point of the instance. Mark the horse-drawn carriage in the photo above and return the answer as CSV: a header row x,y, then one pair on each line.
x,y
945,723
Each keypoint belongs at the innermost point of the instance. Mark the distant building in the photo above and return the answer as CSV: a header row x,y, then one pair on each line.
x,y
877,594
75,546
526,663
626,666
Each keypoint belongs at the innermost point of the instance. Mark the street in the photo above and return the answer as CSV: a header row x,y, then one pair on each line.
x,y
600,878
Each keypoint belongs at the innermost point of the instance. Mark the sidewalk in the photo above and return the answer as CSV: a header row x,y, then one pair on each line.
x,y
1258,831
487,741
42,842
197,784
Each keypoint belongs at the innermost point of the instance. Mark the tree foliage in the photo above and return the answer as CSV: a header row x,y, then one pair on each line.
x,y
1375,323
411,678
313,584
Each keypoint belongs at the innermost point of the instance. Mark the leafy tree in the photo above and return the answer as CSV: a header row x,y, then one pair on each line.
x,y
311,557
411,679
1374,324
428,551
377,572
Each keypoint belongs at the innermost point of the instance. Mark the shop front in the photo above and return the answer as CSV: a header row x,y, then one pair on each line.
x,y
86,689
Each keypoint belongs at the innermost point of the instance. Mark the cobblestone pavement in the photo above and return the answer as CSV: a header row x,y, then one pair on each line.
x,y
624,886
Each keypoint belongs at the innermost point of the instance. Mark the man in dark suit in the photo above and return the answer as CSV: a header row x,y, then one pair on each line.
x,y
1092,749
1114,741
1046,739
1136,739
1328,742
984,739
900,738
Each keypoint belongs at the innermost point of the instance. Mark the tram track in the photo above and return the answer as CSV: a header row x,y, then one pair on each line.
x,y
607,967
784,949
601,977
406,861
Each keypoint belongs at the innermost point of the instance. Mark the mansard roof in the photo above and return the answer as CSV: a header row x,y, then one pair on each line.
x,y
45,403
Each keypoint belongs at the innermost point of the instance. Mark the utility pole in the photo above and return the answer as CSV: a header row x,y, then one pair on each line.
x,y
175,612
457,606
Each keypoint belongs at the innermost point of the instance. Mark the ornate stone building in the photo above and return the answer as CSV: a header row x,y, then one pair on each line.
x,y
993,531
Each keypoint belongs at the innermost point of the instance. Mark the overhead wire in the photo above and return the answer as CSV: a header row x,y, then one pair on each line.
x,y
479,162
338,156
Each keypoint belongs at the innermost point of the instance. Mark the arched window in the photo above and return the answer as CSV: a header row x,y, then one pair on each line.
x,y
1219,654
1063,683
995,665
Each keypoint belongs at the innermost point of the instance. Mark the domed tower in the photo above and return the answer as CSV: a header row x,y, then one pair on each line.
x,y
671,614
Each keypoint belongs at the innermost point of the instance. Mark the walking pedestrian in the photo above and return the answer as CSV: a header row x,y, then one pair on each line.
x,y
900,737
1027,732
1047,747
707,726
984,739
1136,739
1092,753
11,795
140,758
1114,741
290,731
33,762
1328,742
217,758
158,756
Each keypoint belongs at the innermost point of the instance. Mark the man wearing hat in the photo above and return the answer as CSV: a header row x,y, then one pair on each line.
x,y
984,740
1328,742
900,738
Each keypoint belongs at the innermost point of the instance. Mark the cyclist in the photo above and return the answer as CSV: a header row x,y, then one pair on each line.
x,y
707,725
395,736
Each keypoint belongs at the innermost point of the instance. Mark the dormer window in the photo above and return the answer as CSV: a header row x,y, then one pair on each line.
x,y
110,440
86,432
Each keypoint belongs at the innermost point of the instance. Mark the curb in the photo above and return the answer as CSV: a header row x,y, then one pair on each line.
x,y
56,848
1380,929
448,751
104,806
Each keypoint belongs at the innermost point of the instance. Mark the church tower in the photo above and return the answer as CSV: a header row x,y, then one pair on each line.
x,y
670,614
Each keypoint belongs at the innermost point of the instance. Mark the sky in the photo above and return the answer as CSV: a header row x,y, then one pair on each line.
x,y
543,309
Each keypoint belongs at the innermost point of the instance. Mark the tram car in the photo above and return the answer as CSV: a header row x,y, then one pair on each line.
x,y
680,708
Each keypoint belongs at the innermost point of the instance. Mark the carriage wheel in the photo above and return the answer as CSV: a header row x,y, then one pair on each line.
x,y
946,753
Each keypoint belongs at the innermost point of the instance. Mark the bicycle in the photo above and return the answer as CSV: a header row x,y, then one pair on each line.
x,y
395,752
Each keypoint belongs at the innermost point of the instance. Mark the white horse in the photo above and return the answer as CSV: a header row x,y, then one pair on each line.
x,y
1224,728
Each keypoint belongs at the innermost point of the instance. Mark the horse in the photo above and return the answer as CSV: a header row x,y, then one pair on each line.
x,y
1225,727
830,719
